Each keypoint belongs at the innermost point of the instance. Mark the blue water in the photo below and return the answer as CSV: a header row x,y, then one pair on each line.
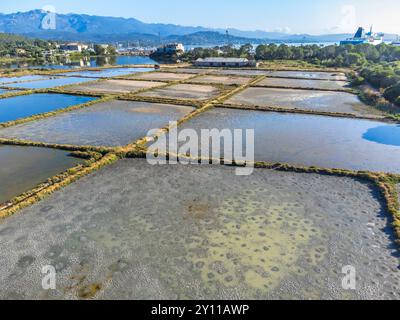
x,y
6,80
25,106
388,135
93,62
107,73
49,83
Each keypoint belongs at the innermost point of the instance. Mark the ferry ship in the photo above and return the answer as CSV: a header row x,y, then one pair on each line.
x,y
361,38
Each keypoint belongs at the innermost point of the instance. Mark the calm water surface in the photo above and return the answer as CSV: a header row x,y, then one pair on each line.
x,y
50,83
93,62
23,168
5,80
24,106
312,140
112,123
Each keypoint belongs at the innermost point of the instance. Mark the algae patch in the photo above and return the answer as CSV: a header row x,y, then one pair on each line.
x,y
255,244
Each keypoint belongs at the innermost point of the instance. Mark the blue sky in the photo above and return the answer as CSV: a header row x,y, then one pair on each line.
x,y
294,16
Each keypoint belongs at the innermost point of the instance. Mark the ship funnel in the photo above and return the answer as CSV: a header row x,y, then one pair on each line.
x,y
359,33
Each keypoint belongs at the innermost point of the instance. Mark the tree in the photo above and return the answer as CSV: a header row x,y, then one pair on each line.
x,y
354,59
392,93
111,51
99,50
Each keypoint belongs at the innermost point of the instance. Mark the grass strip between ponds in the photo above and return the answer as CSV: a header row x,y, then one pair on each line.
x,y
67,147
16,93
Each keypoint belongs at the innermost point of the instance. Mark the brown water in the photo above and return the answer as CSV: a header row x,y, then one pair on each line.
x,y
23,168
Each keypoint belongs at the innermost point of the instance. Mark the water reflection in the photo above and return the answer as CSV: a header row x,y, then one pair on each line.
x,y
387,135
22,168
67,63
25,106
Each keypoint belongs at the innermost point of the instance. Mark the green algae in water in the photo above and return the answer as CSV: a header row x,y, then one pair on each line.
x,y
256,245
242,243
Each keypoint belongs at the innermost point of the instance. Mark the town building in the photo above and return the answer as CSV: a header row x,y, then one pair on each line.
x,y
225,62
73,47
172,48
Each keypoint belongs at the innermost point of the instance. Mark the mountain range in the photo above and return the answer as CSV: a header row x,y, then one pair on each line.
x,y
82,27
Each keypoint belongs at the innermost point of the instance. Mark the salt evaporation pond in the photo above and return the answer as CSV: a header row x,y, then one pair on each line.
x,y
311,140
23,168
201,232
24,106
112,123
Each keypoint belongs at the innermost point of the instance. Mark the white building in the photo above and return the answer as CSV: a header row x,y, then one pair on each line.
x,y
72,47
171,48
225,62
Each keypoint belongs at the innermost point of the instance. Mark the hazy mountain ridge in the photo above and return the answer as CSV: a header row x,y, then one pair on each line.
x,y
100,29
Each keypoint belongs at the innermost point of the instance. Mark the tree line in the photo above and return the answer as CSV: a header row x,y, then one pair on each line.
x,y
14,46
376,65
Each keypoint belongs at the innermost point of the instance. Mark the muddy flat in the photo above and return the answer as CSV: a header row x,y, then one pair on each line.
x,y
242,72
303,83
336,76
191,70
183,91
225,80
133,231
163,76
115,86
341,102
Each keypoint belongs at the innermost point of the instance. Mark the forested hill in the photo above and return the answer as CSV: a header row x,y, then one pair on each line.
x,y
82,27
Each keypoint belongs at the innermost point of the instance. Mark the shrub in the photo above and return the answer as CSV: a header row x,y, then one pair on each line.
x,y
392,93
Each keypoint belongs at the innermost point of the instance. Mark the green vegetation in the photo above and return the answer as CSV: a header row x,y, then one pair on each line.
x,y
384,77
330,56
377,65
13,46
244,51
104,50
